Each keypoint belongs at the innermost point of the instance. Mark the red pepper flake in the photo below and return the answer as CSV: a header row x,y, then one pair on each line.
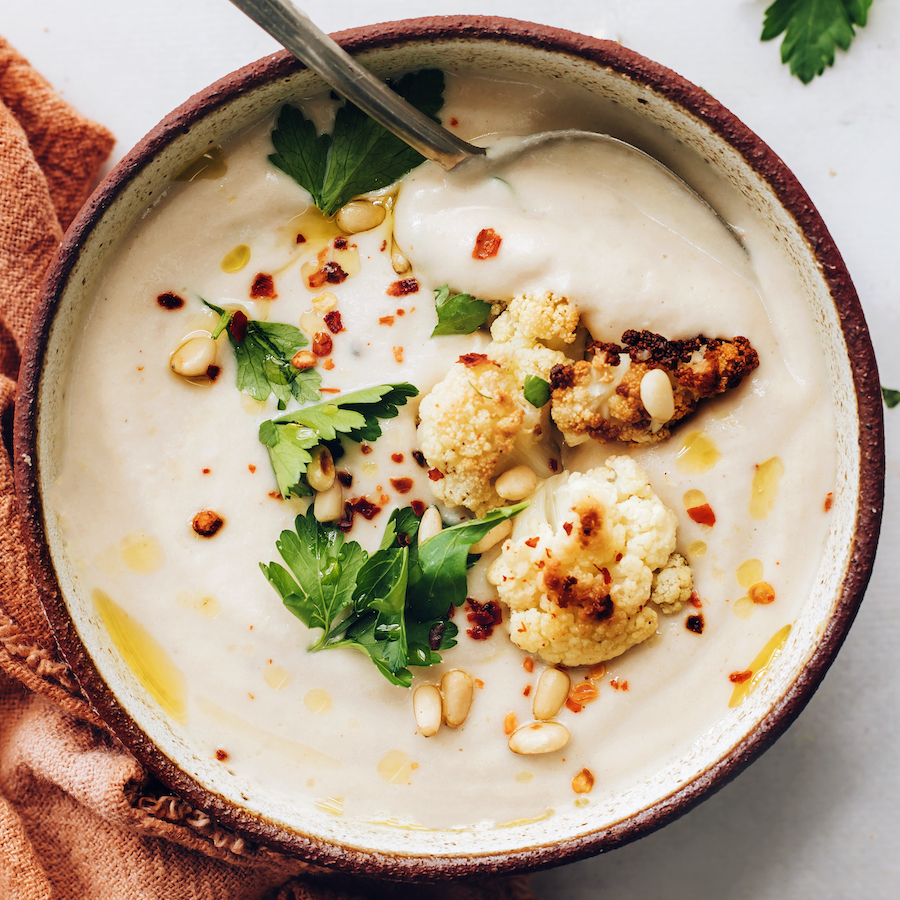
x,y
212,372
340,242
762,592
366,509
528,664
276,495
237,327
397,457
383,246
206,523
401,312
614,684
251,467
221,755
322,343
418,507
345,478
703,515
330,272
572,706
624,685
170,301
454,122
365,449
695,623
483,616
419,457
345,523
328,365
740,677
829,501
329,390
607,578
206,471
554,464
333,321
435,474
386,320
470,360
403,287
301,239
402,485
567,527
398,354
487,244
263,287
618,557
532,542
527,690
695,600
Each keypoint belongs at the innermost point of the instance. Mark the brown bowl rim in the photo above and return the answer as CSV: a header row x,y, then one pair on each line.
x,y
765,163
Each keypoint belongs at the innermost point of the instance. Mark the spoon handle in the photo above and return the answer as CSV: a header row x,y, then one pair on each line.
x,y
293,29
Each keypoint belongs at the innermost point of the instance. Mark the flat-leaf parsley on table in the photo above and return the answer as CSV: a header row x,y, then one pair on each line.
x,y
393,605
290,437
812,30
360,155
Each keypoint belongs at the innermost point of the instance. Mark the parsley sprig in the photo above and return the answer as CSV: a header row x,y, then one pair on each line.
x,y
359,155
458,313
812,30
290,438
264,351
393,605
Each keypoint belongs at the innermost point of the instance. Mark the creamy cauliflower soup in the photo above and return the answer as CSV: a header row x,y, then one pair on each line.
x,y
169,502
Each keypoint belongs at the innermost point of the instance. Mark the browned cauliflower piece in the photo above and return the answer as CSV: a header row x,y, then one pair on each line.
x,y
602,399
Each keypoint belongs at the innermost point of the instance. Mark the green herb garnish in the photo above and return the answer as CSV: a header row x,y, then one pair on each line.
x,y
459,313
359,156
891,397
393,605
290,437
812,29
264,351
537,391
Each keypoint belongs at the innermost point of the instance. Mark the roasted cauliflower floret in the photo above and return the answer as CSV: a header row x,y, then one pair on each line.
x,y
537,318
672,584
582,562
603,398
467,423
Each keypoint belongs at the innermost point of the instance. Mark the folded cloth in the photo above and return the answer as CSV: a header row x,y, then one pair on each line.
x,y
79,817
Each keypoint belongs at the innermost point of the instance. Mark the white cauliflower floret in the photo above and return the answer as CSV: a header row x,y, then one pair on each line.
x,y
672,584
467,423
579,568
537,318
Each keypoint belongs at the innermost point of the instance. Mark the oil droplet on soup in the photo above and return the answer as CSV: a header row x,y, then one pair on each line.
x,y
236,259
141,553
694,498
524,777
333,805
749,572
317,701
203,604
759,666
276,677
210,164
764,489
395,767
697,548
698,454
145,656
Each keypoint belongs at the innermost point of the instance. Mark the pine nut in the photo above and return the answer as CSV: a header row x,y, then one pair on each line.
x,y
457,688
399,262
303,359
539,737
516,483
328,505
494,536
359,215
427,709
551,692
430,525
657,396
194,357
325,302
320,472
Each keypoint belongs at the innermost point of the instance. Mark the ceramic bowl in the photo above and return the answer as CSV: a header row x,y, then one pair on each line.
x,y
645,90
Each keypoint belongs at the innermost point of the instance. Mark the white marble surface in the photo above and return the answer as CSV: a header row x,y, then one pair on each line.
x,y
816,816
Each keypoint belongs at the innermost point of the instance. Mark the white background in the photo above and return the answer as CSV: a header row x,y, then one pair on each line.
x,y
817,816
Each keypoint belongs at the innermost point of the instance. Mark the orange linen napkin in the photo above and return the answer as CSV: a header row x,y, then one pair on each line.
x,y
80,819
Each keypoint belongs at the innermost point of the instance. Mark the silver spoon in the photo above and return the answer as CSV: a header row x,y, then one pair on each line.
x,y
292,28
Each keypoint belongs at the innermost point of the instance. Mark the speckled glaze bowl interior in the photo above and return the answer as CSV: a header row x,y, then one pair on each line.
x,y
697,121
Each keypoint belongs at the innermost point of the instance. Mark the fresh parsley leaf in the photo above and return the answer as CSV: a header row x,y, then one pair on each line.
x,y
440,578
290,437
891,397
458,314
537,391
812,29
360,155
325,570
264,351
